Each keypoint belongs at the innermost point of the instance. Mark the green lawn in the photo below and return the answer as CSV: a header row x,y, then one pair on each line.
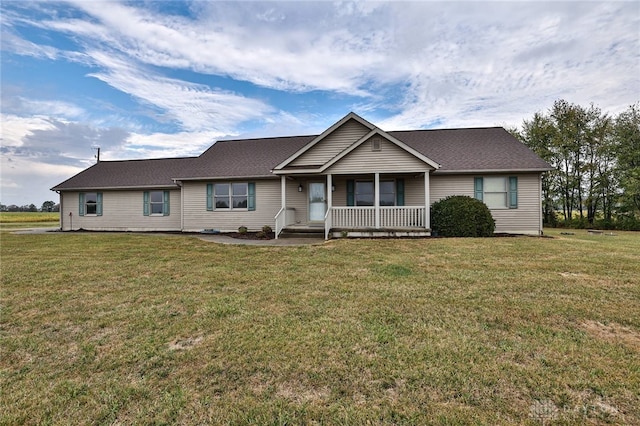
x,y
147,329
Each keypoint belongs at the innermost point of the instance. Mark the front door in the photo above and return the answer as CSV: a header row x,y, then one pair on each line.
x,y
317,202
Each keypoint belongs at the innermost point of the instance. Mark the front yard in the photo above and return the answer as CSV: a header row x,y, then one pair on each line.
x,y
127,328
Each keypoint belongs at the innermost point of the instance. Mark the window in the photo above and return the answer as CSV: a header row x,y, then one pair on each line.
x,y
230,196
387,193
376,144
364,193
221,196
90,204
156,203
497,192
239,195
361,193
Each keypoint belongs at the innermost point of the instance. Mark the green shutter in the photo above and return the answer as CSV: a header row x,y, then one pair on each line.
x,y
513,192
81,204
478,188
165,208
145,203
210,196
99,204
350,192
400,192
251,199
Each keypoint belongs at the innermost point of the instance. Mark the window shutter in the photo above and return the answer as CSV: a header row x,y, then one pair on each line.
x,y
350,192
81,204
99,204
251,199
210,196
165,208
513,192
400,192
478,188
145,203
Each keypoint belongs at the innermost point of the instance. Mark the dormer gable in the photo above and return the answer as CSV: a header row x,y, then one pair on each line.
x,y
330,143
340,140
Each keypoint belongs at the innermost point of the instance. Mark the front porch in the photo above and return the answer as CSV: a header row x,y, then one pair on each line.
x,y
311,205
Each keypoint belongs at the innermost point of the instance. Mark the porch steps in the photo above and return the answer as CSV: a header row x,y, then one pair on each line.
x,y
302,232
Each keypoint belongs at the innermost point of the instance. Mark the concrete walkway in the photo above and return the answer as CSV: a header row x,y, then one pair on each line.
x,y
213,238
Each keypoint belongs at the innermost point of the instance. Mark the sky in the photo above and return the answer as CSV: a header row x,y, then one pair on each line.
x,y
157,79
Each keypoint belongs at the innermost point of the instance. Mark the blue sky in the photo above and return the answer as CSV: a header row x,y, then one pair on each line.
x,y
160,79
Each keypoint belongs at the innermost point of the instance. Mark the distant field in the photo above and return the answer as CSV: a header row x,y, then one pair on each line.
x,y
140,329
26,219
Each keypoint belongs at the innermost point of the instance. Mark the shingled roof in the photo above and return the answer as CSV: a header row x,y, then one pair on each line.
x,y
490,149
128,174
473,150
244,157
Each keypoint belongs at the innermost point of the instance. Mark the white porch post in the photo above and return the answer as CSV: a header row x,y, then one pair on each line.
x,y
329,192
376,197
283,191
427,202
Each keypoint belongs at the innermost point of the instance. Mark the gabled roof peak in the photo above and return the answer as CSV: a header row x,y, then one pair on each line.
x,y
350,116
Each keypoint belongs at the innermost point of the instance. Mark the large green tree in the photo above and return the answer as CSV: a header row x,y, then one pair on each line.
x,y
596,161
627,135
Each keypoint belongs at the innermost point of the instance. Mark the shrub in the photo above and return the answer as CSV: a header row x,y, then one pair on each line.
x,y
242,230
461,216
267,229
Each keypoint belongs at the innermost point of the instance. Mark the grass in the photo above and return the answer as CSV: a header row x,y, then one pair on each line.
x,y
13,220
141,329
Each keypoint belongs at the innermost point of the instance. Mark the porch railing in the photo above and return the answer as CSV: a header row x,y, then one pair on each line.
x,y
402,217
286,216
328,222
280,221
365,217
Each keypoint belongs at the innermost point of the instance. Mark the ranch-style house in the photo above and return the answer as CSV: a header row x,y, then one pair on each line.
x,y
353,179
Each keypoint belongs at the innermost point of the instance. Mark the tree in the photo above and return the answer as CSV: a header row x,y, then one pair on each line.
x,y
48,206
596,161
627,135
538,134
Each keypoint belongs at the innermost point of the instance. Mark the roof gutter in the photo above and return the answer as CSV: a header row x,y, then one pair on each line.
x,y
224,178
96,188
476,171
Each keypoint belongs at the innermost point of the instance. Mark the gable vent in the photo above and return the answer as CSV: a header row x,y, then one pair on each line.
x,y
376,144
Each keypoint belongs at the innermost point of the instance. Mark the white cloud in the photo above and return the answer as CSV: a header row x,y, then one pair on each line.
x,y
164,145
14,128
444,59
26,181
195,106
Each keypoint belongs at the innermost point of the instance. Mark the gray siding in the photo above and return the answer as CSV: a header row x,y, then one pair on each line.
x,y
526,219
414,191
197,217
121,211
298,200
332,145
390,159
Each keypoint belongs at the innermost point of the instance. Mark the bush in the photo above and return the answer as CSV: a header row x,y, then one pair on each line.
x,y
242,230
461,216
267,229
